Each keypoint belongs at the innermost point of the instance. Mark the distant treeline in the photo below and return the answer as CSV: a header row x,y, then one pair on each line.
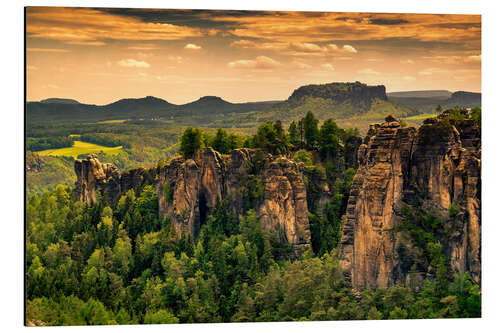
x,y
52,142
105,139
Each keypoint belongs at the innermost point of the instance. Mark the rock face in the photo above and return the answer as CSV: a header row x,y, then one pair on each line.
x,y
188,189
439,165
96,179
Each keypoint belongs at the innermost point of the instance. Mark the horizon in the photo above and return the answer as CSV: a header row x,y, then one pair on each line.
x,y
196,99
102,55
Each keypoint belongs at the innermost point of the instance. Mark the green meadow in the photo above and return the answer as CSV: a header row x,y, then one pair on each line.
x,y
114,121
79,148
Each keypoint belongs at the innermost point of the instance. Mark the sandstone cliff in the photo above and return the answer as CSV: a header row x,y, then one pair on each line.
x,y
188,189
438,165
96,179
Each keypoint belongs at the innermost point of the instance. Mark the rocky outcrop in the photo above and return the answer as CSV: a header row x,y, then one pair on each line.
x,y
188,189
397,165
96,179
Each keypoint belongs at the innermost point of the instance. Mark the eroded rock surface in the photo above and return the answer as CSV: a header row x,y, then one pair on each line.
x,y
397,165
96,179
188,189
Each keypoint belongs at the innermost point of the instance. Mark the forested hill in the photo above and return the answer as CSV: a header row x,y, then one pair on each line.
x,y
338,100
55,109
426,101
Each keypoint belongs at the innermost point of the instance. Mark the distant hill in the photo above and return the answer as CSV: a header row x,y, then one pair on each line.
x,y
444,94
137,108
427,101
59,101
337,100
465,98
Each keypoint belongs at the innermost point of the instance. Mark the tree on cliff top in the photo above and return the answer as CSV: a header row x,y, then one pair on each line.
x,y
190,142
310,130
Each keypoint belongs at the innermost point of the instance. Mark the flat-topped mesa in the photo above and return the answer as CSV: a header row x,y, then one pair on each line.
x,y
397,165
189,189
342,91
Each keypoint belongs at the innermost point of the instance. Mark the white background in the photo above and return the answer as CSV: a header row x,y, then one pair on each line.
x,y
12,167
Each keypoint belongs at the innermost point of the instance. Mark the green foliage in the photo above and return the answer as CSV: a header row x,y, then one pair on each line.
x,y
311,133
271,137
80,274
90,264
329,140
326,229
293,134
304,156
51,142
168,196
253,192
190,142
160,317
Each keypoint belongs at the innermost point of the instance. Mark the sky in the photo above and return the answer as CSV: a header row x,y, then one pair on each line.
x,y
100,55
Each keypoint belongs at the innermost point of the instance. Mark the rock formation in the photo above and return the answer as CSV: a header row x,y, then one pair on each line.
x,y
188,189
96,179
433,169
439,165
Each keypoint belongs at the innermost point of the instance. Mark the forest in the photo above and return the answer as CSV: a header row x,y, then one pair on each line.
x,y
120,263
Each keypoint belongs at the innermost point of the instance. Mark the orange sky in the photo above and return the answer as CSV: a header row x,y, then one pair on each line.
x,y
98,56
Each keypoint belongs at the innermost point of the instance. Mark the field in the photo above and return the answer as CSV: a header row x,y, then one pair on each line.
x,y
115,121
79,148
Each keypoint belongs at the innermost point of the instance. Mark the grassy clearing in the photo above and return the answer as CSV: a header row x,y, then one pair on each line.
x,y
79,148
115,121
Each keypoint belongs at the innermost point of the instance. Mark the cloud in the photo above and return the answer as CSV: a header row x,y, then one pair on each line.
x,y
301,65
249,44
325,27
407,61
192,47
409,78
31,68
328,67
368,71
446,59
307,47
295,48
473,58
87,43
94,27
50,86
37,49
143,47
133,63
431,71
260,62
349,49
176,59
